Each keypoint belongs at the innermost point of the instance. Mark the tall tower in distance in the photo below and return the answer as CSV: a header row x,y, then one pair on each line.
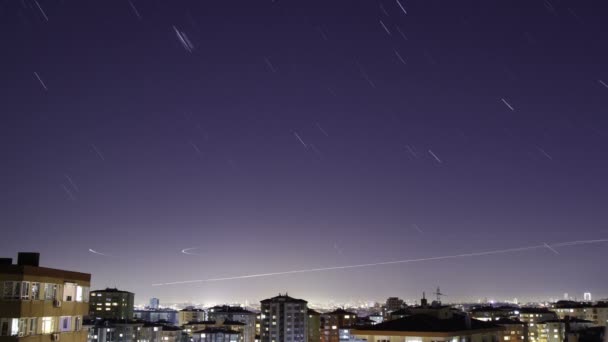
x,y
154,303
587,296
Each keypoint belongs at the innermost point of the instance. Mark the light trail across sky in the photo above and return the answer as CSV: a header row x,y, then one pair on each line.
x,y
98,253
550,247
187,251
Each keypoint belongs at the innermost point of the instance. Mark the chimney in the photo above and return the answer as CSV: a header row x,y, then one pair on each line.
x,y
6,261
28,259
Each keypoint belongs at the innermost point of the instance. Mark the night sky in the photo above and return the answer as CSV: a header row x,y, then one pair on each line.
x,y
293,134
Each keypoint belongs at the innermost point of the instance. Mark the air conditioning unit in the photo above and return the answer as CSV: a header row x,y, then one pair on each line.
x,y
55,337
57,303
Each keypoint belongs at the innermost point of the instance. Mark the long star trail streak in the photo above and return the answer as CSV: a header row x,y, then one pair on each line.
x,y
42,11
98,152
68,192
544,153
385,28
41,81
72,183
551,248
300,139
401,6
435,156
186,44
399,57
322,130
406,261
269,65
508,104
135,11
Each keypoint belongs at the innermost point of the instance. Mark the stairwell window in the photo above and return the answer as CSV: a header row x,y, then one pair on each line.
x,y
77,323
32,325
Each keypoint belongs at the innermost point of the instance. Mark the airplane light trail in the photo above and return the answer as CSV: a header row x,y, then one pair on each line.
x,y
98,253
321,269
186,251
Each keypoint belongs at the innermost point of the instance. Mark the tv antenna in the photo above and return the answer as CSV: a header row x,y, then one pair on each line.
x,y
438,294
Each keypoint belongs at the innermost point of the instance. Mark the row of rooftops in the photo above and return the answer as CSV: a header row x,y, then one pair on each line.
x,y
427,323
568,304
211,322
111,290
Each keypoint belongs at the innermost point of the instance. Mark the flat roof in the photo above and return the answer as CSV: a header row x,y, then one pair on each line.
x,y
38,271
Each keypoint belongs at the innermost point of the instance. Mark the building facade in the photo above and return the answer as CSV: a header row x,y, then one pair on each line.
x,y
284,319
314,326
111,303
532,317
238,314
156,315
217,335
113,330
332,322
597,313
190,314
40,304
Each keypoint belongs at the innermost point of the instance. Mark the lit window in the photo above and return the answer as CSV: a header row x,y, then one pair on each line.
x,y
79,293
47,325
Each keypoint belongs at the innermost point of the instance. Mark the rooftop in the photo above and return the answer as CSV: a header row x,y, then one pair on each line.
x,y
283,298
111,290
28,263
313,312
340,311
230,309
214,330
425,323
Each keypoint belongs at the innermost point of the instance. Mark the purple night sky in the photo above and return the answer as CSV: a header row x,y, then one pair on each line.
x,y
295,134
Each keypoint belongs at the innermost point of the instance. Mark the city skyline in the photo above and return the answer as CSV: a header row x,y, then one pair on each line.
x,y
352,149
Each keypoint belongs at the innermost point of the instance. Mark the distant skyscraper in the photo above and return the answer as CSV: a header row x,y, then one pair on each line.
x,y
587,296
154,303
284,319
566,296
